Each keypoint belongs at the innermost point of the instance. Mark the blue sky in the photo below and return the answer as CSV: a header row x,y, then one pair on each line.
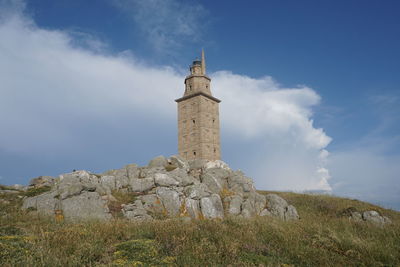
x,y
310,89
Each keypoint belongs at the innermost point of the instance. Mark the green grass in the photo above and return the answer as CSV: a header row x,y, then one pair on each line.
x,y
31,192
322,237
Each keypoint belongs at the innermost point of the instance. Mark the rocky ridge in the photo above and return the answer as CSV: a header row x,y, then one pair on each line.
x,y
164,188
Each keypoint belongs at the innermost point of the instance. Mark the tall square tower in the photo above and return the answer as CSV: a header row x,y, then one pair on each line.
x,y
198,116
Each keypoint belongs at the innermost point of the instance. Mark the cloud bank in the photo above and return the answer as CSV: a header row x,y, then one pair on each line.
x,y
63,100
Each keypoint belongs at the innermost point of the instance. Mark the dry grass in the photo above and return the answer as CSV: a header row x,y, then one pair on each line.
x,y
322,237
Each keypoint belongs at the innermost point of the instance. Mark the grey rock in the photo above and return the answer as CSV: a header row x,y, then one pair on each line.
x,y
179,163
280,208
102,190
162,179
216,164
291,213
253,205
132,171
276,205
356,216
87,177
135,211
145,172
152,203
137,204
44,204
86,206
193,208
122,182
183,178
265,212
158,162
221,174
234,204
142,185
108,181
211,207
237,189
375,218
248,209
237,182
196,164
88,181
71,190
170,200
197,191
213,183
117,173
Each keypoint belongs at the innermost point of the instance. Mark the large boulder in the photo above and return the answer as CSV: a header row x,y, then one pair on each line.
x,y
163,179
86,206
142,185
135,211
132,171
253,205
234,204
158,162
178,162
152,203
211,207
44,204
170,200
183,178
278,207
375,218
192,207
197,191
213,182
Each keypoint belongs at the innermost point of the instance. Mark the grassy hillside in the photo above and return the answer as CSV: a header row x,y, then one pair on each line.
x,y
322,237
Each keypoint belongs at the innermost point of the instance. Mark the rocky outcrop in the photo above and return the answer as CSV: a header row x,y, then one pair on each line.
x,y
370,216
166,187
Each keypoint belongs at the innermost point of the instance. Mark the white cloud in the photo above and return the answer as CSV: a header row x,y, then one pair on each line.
x,y
52,91
292,155
166,23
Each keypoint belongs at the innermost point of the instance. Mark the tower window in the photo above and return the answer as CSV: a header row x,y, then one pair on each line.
x,y
213,120
215,150
194,121
194,153
206,86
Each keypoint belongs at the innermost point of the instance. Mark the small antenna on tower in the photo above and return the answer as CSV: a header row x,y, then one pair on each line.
x,y
203,62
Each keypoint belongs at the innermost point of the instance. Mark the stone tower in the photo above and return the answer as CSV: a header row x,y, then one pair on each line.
x,y
198,116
